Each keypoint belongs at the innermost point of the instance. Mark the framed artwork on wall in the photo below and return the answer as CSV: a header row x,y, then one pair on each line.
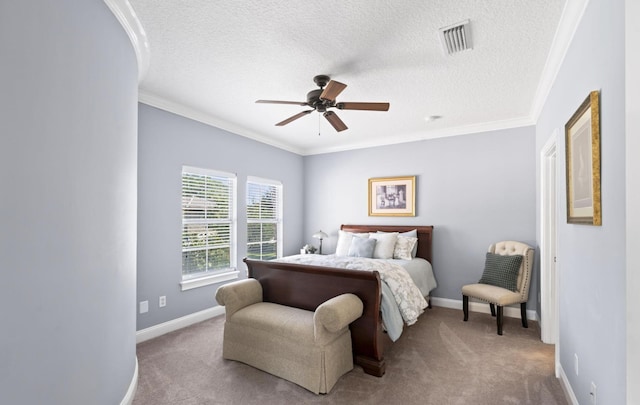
x,y
392,196
582,137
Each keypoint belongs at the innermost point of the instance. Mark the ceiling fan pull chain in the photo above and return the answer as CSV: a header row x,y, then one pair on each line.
x,y
318,124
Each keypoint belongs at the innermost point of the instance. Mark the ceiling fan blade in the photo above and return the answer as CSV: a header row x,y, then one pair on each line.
x,y
363,106
332,90
282,102
293,118
335,121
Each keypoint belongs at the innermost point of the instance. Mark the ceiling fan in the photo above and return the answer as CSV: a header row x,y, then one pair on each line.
x,y
324,98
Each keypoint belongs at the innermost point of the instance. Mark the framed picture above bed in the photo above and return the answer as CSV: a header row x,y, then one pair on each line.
x,y
392,196
583,163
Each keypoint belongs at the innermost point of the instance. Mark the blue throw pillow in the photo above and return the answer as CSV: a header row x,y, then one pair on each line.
x,y
362,247
501,271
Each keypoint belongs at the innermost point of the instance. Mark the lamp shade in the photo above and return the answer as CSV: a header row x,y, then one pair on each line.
x,y
320,235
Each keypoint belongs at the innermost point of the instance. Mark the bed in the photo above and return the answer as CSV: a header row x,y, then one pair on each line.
x,y
307,286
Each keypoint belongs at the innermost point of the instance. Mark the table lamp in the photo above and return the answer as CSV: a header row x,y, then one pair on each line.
x,y
320,235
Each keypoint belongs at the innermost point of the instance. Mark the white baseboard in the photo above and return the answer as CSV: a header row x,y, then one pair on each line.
x,y
568,391
133,386
511,312
179,323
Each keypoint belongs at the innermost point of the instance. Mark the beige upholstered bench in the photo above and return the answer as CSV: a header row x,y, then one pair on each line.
x,y
311,349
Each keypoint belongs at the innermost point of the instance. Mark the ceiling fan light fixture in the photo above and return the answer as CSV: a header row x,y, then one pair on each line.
x,y
456,38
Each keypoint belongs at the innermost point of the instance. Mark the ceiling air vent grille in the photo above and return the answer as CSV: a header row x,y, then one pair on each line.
x,y
456,38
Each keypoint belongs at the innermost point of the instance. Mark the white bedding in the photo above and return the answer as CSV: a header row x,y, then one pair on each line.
x,y
405,283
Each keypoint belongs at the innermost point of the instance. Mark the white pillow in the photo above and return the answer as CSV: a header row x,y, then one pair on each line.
x,y
384,245
403,248
411,234
344,241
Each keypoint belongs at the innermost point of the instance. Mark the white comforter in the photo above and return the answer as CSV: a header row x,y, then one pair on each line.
x,y
406,295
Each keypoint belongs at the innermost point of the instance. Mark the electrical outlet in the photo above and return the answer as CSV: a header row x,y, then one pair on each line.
x,y
162,301
592,393
576,362
144,307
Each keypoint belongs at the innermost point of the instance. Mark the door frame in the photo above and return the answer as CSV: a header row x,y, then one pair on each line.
x,y
549,316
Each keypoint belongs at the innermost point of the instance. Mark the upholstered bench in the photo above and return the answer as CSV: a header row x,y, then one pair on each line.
x,y
311,349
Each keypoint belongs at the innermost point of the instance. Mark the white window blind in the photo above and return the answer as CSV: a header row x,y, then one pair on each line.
x,y
208,222
264,219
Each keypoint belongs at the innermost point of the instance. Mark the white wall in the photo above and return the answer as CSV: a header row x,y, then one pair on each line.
x,y
68,209
632,89
591,259
475,189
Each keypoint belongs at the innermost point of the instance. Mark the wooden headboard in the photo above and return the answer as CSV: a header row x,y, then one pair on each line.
x,y
425,235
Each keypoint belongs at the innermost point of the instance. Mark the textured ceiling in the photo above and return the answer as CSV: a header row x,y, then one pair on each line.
x,y
211,60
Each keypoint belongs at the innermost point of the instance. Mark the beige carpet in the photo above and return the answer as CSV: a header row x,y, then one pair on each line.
x,y
440,360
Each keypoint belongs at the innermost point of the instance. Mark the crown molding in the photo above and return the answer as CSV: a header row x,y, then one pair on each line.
x,y
173,107
569,21
133,27
426,135
180,109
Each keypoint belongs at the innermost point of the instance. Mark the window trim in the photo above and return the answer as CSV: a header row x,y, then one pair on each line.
x,y
208,280
227,273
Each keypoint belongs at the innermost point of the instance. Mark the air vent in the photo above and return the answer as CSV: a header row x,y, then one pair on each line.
x,y
456,38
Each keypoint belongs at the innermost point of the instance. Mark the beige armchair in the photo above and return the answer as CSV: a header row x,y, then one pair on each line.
x,y
309,348
500,268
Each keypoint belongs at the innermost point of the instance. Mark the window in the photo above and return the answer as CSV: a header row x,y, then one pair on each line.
x,y
264,219
208,224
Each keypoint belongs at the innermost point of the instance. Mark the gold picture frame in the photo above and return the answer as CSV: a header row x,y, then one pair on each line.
x,y
392,196
582,140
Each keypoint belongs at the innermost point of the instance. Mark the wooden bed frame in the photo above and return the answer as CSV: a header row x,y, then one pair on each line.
x,y
306,287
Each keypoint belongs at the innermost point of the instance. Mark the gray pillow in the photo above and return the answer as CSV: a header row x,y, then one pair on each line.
x,y
362,247
344,241
501,271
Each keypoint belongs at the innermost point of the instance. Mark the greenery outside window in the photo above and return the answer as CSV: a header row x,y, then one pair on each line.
x,y
208,223
264,219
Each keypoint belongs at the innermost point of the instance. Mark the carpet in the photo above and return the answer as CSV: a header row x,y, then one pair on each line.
x,y
439,360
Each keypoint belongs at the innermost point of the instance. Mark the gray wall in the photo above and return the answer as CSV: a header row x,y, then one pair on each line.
x,y
68,106
166,142
475,189
592,259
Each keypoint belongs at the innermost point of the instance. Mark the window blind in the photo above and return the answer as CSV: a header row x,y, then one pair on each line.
x,y
208,221
264,219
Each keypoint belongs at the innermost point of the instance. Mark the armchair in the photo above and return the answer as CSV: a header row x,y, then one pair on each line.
x,y
500,268
309,348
